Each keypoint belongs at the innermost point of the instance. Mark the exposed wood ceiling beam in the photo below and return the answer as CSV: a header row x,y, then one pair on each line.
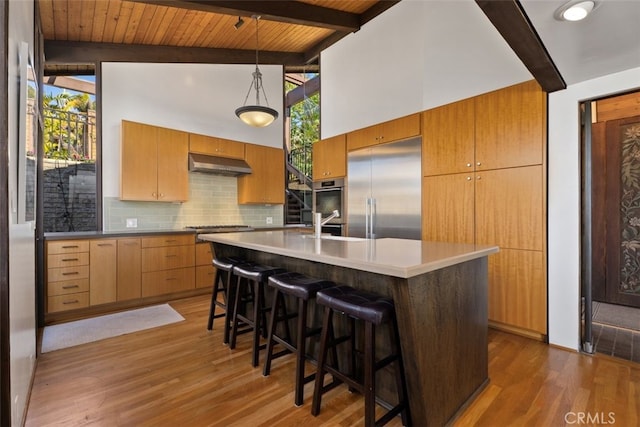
x,y
57,52
290,12
512,23
71,83
303,91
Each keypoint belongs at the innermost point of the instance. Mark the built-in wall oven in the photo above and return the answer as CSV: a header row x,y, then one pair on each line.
x,y
329,195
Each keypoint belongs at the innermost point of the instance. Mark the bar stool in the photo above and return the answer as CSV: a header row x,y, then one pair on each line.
x,y
303,288
221,283
254,278
373,310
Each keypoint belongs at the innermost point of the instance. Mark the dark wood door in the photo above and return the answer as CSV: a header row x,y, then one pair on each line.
x,y
616,201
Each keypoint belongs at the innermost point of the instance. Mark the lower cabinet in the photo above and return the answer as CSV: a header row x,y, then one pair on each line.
x,y
129,269
102,271
84,273
205,271
168,264
67,275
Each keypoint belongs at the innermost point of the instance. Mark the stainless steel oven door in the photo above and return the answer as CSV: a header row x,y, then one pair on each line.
x,y
328,196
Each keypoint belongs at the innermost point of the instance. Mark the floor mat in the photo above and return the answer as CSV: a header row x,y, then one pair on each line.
x,y
83,331
616,315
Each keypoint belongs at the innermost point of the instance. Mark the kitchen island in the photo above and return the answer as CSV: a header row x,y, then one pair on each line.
x,y
440,294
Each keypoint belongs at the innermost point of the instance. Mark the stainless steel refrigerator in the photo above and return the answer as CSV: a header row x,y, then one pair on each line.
x,y
384,197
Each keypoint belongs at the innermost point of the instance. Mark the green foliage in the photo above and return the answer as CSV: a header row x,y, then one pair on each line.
x,y
65,126
305,127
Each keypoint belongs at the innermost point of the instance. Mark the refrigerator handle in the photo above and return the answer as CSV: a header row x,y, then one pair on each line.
x,y
367,211
372,219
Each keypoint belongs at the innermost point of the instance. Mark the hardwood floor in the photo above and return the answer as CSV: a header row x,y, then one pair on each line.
x,y
181,374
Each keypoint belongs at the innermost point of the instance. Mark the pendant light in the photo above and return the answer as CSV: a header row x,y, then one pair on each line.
x,y
256,115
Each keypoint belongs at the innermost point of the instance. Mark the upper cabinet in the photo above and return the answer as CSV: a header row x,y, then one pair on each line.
x,y
393,130
154,163
510,127
330,158
500,129
265,184
213,146
448,143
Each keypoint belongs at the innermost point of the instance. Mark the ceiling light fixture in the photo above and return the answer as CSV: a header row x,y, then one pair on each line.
x,y
239,24
256,115
575,10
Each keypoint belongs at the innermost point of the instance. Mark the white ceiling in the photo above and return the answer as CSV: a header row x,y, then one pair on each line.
x,y
606,42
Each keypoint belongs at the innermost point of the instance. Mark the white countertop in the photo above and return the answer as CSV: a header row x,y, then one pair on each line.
x,y
394,257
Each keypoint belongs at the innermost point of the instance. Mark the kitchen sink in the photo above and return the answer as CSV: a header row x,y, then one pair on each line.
x,y
329,237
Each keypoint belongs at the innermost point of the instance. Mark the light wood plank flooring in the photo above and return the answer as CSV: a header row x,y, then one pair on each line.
x,y
181,374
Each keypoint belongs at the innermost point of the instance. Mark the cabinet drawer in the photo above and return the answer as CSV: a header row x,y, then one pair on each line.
x,y
67,287
67,246
68,302
204,256
167,281
67,273
67,260
154,259
204,276
174,240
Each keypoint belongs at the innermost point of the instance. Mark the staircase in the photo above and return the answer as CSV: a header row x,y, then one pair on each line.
x,y
299,187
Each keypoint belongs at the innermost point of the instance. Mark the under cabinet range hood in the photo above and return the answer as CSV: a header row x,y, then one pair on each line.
x,y
218,165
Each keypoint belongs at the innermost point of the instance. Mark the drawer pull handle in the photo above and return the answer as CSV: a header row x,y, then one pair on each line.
x,y
71,273
105,244
75,301
70,259
131,243
170,240
170,256
70,286
70,247
171,278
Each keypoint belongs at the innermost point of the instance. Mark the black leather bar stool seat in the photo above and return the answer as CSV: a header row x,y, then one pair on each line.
x,y
221,283
373,310
253,277
303,288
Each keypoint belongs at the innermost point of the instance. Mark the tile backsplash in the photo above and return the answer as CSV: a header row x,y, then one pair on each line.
x,y
212,201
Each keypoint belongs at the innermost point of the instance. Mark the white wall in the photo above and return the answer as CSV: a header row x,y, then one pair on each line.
x,y
191,97
415,56
22,310
564,200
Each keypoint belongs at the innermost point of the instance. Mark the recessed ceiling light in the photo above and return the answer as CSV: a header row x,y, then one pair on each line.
x,y
575,10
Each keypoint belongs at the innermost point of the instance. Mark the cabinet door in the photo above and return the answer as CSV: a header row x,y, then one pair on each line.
x,y
204,256
365,137
168,281
216,146
173,165
510,127
509,208
400,128
265,184
102,271
330,158
129,269
448,208
154,259
138,162
448,141
517,289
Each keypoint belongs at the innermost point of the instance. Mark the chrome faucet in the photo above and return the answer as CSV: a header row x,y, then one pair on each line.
x,y
319,222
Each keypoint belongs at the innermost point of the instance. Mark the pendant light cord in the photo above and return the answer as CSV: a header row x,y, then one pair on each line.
x,y
257,75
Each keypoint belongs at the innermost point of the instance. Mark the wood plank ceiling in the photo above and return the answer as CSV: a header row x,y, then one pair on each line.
x,y
79,33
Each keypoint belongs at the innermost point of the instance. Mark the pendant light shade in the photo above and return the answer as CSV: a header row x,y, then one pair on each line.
x,y
256,115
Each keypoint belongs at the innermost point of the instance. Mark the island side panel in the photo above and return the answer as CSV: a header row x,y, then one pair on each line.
x,y
442,317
